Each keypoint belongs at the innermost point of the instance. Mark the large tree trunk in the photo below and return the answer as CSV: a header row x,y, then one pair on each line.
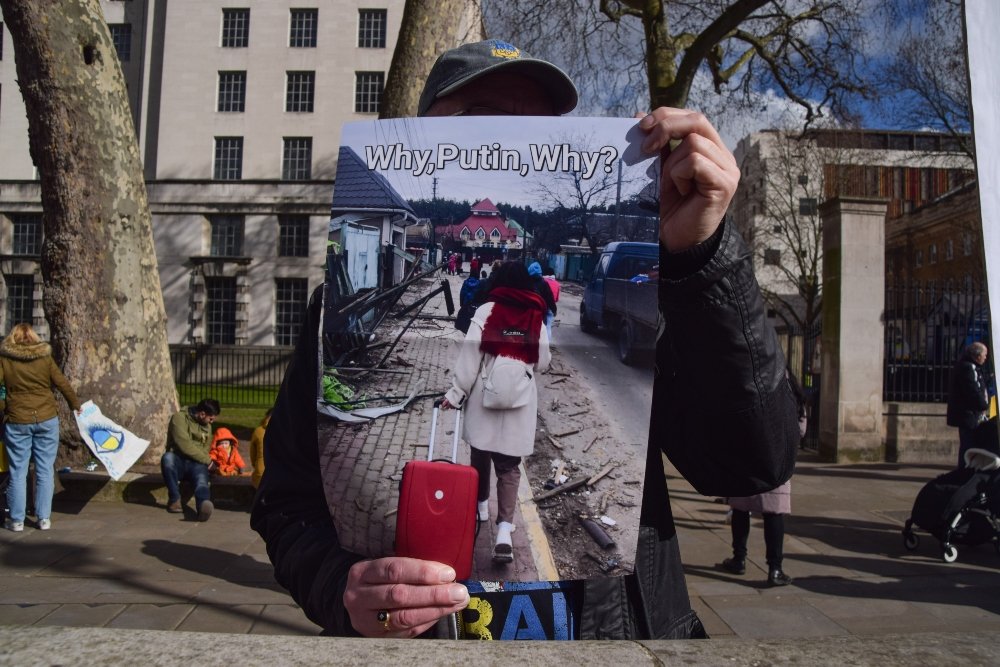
x,y
102,290
427,30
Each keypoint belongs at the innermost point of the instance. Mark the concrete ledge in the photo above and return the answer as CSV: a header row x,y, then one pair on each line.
x,y
55,646
148,488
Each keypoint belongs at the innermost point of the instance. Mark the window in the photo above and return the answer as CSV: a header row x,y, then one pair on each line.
x,y
932,253
227,236
807,206
289,306
776,229
293,236
121,36
232,91
368,91
20,299
803,179
918,259
235,28
27,236
228,159
772,257
1,40
966,244
299,91
302,30
371,28
949,250
296,163
480,234
220,311
495,235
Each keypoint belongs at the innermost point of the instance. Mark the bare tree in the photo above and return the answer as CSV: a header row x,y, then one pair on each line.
x,y
575,194
808,49
788,235
427,30
927,78
102,289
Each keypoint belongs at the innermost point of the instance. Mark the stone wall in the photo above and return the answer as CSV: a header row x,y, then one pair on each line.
x,y
917,433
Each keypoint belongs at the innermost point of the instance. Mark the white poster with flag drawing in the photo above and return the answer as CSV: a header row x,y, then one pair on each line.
x,y
114,446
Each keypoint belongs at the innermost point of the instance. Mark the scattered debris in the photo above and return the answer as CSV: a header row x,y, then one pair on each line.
x,y
604,473
606,564
608,521
555,443
578,413
390,513
555,382
596,438
597,533
565,433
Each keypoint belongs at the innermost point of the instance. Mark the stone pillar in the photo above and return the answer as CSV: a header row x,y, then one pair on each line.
x,y
850,420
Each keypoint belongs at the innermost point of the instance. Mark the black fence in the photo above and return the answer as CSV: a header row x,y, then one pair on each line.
x,y
926,329
234,375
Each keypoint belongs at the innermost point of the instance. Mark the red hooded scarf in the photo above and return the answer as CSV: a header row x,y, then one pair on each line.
x,y
514,325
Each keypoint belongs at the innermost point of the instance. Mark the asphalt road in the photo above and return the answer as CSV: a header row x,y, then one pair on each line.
x,y
623,392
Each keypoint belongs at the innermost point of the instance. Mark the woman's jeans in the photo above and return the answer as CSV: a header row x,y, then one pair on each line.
x,y
24,442
176,468
508,478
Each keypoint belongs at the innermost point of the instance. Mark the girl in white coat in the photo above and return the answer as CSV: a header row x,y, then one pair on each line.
x,y
509,324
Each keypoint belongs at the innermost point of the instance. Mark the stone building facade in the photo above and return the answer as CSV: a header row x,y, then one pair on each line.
x,y
238,108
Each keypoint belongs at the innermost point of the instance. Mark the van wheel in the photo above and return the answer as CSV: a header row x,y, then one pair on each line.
x,y
626,343
586,326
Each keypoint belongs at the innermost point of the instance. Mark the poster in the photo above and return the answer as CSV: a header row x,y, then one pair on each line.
x,y
418,205
114,446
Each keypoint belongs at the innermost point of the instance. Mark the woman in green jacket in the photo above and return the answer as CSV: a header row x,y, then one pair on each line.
x,y
32,432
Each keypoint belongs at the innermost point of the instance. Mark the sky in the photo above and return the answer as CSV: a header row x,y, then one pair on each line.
x,y
522,162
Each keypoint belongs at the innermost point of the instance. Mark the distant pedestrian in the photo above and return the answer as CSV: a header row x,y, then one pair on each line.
x,y
452,264
506,332
257,449
772,506
189,436
474,265
968,400
550,277
543,288
32,432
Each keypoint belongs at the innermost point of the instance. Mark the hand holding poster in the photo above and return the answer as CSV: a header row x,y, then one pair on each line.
x,y
113,445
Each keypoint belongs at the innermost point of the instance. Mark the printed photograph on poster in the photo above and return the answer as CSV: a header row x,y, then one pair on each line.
x,y
507,267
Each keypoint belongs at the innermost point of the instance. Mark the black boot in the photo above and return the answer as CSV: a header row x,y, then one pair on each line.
x,y
734,565
778,578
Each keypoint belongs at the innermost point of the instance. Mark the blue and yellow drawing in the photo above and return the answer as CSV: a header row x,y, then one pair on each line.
x,y
107,440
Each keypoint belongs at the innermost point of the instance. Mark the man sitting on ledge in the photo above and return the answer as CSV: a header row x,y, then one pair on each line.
x,y
189,437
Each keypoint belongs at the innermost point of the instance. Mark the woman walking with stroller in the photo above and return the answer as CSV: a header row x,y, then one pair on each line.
x,y
494,380
29,373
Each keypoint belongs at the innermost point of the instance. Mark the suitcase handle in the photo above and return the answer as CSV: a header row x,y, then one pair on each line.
x,y
434,420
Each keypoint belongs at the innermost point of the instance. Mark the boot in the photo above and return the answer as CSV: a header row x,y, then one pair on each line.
x,y
734,565
778,578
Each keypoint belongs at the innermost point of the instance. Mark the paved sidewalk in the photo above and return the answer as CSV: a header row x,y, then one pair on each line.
x,y
121,565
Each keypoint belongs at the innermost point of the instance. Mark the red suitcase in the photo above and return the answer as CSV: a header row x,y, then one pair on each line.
x,y
437,507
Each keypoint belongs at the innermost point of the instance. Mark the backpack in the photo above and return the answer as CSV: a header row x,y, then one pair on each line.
x,y
469,287
507,384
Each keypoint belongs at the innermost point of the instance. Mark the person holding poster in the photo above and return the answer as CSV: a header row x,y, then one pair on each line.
x,y
716,350
32,432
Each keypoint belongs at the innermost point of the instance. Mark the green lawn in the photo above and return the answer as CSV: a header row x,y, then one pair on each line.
x,y
242,407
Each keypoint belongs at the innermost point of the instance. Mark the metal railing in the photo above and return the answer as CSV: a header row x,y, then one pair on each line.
x,y
235,375
926,329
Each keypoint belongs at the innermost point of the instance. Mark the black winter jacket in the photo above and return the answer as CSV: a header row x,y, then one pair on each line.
x,y
725,416
967,398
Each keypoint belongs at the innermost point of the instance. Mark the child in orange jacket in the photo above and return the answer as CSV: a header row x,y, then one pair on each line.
x,y
226,454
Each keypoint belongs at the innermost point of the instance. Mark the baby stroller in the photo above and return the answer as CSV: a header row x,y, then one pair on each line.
x,y
959,507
